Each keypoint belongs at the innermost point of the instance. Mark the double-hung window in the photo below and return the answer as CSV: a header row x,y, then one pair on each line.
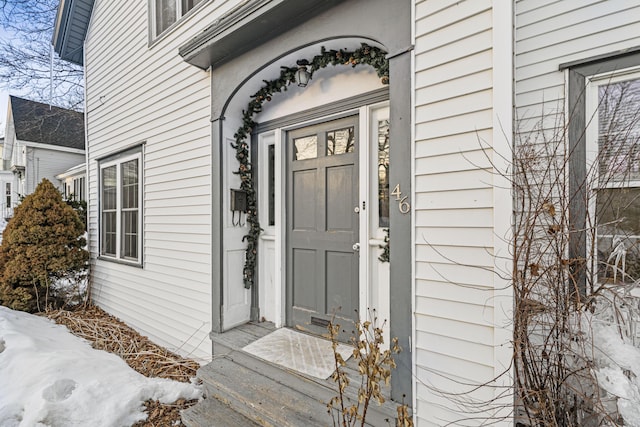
x,y
121,208
168,12
613,157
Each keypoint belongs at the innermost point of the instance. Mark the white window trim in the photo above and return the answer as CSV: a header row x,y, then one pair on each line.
x,y
592,149
118,256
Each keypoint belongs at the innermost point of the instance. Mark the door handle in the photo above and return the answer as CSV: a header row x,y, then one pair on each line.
x,y
356,247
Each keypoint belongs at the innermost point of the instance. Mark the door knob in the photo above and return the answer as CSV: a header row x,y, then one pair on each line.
x,y
356,247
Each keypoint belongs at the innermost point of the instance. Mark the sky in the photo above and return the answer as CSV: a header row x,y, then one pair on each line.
x,y
49,377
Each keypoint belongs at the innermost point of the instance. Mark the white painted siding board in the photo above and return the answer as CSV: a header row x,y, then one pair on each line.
x,y
455,385
468,65
460,199
454,143
452,33
454,87
471,179
582,22
454,107
457,330
472,351
456,13
533,12
528,6
459,49
464,123
460,274
449,253
443,291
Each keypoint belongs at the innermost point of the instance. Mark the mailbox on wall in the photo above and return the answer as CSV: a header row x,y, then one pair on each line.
x,y
238,200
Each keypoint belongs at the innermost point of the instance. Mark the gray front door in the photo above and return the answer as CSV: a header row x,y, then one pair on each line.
x,y
322,225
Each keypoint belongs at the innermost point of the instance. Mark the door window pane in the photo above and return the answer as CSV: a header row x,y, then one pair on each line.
x,y
340,141
305,147
271,154
383,173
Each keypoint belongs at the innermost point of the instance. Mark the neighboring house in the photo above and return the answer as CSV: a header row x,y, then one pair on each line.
x,y
6,186
74,183
41,141
335,163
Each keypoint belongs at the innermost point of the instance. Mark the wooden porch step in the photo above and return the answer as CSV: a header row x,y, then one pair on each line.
x,y
213,413
270,395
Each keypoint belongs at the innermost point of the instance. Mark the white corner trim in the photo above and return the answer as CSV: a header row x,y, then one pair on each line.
x,y
503,94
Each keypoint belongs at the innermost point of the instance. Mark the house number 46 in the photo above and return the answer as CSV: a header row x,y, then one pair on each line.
x,y
403,206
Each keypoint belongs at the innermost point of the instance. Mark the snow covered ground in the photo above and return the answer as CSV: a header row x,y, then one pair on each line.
x,y
49,377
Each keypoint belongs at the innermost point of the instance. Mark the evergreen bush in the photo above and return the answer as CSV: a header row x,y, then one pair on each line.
x,y
42,245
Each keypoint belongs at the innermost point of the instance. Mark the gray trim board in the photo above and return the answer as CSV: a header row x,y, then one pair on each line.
x,y
576,129
216,226
400,261
70,29
599,58
236,32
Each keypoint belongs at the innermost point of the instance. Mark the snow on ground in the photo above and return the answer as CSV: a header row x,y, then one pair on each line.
x,y
3,225
617,363
49,377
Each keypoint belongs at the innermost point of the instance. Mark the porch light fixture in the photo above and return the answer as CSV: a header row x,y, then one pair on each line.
x,y
302,75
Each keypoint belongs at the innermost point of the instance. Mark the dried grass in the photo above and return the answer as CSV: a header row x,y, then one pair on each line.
x,y
107,333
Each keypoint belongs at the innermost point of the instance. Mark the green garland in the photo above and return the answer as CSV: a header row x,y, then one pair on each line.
x,y
386,247
365,54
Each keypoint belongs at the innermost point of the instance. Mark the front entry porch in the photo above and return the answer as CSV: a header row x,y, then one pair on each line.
x,y
243,390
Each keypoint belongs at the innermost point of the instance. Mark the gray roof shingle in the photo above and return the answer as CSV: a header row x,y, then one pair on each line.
x,y
38,122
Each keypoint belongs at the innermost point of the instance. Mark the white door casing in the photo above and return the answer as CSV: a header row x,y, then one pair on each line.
x,y
374,275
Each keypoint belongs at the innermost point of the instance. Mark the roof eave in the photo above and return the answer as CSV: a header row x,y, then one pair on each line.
x,y
71,13
251,24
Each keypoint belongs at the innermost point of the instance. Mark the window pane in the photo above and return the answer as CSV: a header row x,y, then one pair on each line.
x,y
187,5
305,147
130,234
340,141
109,233
619,131
165,14
130,184
272,184
109,188
618,215
383,173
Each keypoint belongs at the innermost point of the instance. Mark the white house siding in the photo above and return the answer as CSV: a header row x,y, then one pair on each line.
x,y
550,33
458,326
44,163
137,93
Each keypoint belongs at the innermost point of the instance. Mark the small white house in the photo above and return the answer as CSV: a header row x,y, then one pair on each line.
x,y
41,141
74,183
406,124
